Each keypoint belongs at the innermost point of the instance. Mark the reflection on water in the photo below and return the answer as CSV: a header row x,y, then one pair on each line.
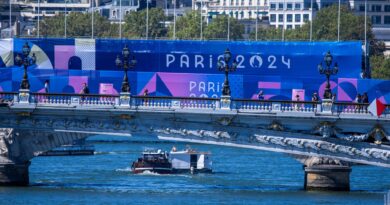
x,y
240,176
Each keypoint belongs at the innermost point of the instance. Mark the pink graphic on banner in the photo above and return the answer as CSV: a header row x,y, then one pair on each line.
x,y
107,89
321,90
346,87
298,95
150,86
269,85
77,82
177,84
62,54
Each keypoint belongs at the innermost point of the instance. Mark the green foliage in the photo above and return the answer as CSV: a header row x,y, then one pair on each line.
x,y
325,27
218,28
78,25
188,26
380,67
135,24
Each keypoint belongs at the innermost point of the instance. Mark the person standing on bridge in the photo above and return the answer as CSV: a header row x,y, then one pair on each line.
x,y
47,85
315,99
145,100
260,96
85,89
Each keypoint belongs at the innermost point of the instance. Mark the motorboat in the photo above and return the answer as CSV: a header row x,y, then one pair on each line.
x,y
162,162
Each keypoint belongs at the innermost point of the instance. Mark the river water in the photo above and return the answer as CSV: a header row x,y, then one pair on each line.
x,y
241,176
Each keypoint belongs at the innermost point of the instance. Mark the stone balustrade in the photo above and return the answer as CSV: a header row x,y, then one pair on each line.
x,y
165,102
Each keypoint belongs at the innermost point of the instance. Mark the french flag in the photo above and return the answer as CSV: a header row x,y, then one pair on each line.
x,y
376,107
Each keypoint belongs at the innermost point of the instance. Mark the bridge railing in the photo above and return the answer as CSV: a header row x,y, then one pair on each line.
x,y
350,108
73,99
165,102
276,105
174,102
8,96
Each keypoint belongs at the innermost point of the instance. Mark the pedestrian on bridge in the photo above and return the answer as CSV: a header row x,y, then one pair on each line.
x,y
47,85
85,89
315,99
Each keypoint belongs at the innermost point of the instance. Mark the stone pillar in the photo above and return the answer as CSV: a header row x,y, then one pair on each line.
x,y
327,177
225,102
125,99
24,96
14,174
327,105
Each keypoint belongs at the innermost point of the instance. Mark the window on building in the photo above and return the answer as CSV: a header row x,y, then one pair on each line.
x,y
289,26
387,8
297,17
281,7
280,17
376,19
387,20
280,26
305,17
289,17
376,8
289,6
362,8
297,26
273,17
273,6
307,5
250,2
297,6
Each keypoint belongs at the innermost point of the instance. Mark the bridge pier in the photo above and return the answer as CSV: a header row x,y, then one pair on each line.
x,y
326,174
12,174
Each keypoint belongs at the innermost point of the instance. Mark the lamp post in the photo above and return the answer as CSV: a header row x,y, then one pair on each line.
x,y
126,64
328,71
224,66
25,61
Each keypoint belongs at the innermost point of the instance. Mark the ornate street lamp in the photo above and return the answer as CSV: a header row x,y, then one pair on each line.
x,y
328,71
126,64
224,66
25,61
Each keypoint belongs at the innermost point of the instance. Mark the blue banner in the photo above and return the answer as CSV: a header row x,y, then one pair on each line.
x,y
293,59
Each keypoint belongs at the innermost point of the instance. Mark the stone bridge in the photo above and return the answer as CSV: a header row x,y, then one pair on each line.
x,y
327,137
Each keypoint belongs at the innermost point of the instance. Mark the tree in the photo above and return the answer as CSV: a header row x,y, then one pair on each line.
x,y
78,25
135,24
188,26
218,28
380,67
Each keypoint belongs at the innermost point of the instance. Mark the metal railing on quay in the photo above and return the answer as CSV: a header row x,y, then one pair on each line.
x,y
276,105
